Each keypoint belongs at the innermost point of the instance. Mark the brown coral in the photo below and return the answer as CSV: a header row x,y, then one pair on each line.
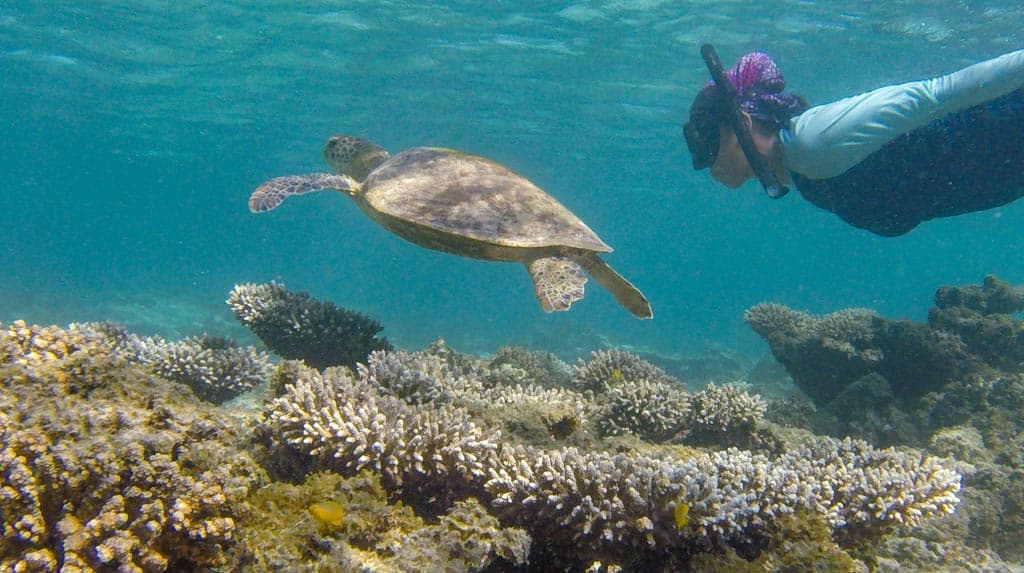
x,y
105,467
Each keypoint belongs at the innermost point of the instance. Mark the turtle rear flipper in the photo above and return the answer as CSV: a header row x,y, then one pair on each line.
x,y
557,282
271,193
624,292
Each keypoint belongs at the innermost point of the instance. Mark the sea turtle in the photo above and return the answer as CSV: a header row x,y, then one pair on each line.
x,y
466,205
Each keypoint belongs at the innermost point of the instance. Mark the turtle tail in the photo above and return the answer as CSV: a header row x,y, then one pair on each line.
x,y
271,193
624,292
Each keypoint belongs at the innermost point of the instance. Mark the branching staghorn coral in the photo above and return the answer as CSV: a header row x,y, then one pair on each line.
x,y
215,368
35,346
724,409
627,503
348,426
625,507
655,411
607,368
414,378
295,325
517,365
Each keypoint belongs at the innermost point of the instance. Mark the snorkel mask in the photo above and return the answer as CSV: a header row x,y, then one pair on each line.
x,y
711,108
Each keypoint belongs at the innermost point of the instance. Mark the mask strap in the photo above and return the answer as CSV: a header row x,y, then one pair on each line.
x,y
758,162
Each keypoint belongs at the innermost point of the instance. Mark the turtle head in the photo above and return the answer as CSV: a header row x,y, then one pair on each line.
x,y
353,156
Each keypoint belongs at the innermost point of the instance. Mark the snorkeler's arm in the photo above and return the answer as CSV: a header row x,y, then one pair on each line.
x,y
827,140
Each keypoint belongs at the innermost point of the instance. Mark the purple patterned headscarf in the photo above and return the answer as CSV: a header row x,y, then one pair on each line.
x,y
759,87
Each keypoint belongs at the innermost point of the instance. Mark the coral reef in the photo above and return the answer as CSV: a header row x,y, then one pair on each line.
x,y
825,354
655,411
414,378
973,410
970,331
347,425
723,414
285,535
982,318
635,396
215,368
437,460
591,504
607,368
993,296
517,365
296,326
103,467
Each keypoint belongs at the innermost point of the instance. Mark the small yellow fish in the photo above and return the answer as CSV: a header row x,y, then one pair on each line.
x,y
682,515
617,374
328,512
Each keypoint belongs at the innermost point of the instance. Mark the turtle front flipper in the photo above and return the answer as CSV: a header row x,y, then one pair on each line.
x,y
624,292
557,282
271,193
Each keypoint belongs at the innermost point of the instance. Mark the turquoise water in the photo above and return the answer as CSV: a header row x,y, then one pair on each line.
x,y
131,134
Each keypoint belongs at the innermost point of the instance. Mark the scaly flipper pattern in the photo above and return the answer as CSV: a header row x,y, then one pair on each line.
x,y
271,193
557,282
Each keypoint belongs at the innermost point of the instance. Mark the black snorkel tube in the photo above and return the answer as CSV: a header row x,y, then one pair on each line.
x,y
758,162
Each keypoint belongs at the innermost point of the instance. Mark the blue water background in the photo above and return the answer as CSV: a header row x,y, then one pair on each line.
x,y
131,134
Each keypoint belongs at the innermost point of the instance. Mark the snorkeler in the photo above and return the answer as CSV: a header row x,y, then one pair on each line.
x,y
884,161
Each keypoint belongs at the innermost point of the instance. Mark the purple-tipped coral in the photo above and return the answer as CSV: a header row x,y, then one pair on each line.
x,y
215,368
722,409
655,411
607,368
348,426
633,507
294,325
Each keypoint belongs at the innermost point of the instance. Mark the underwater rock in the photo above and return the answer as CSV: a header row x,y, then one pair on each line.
x,y
982,318
294,325
994,296
824,355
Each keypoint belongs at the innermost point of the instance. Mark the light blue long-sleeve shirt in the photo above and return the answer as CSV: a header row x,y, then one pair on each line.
x,y
826,140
